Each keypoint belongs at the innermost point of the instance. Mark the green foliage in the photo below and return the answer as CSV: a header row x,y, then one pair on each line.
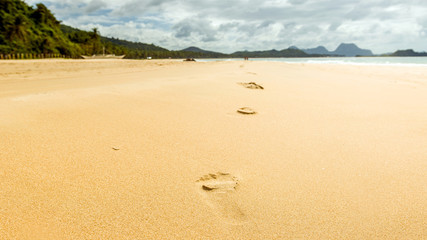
x,y
27,30
408,53
271,53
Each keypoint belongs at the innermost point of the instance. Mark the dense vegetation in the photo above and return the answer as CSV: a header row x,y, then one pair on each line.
x,y
272,53
408,53
24,29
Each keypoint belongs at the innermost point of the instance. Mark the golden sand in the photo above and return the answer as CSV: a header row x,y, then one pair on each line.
x,y
121,149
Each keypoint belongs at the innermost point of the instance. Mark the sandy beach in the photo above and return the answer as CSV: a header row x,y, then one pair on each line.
x,y
127,149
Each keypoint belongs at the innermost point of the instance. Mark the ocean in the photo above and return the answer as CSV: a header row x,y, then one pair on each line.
x,y
400,61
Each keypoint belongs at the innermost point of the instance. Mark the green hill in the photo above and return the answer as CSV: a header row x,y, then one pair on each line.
x,y
290,52
408,53
24,29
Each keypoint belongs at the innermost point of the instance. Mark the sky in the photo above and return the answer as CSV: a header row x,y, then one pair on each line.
x,y
382,26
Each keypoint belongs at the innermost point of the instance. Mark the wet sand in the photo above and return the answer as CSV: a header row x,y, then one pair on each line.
x,y
122,149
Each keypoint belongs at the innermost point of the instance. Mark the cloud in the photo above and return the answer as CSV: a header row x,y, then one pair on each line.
x,y
137,7
227,26
95,5
201,30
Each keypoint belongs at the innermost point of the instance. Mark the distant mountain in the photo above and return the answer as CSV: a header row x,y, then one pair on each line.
x,y
204,52
134,45
290,52
344,49
408,53
195,49
199,50
351,50
318,50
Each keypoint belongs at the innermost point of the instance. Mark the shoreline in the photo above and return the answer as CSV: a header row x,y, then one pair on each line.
x,y
115,149
335,61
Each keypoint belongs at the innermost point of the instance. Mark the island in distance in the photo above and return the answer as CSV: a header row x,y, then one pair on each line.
x,y
343,50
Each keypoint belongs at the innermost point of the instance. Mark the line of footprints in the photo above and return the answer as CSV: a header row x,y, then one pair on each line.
x,y
218,188
250,85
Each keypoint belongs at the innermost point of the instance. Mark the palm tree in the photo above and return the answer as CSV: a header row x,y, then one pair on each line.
x,y
95,34
18,30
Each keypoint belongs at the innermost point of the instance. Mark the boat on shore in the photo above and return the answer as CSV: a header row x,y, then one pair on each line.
x,y
104,56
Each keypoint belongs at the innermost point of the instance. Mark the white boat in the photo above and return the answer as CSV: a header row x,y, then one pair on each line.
x,y
107,56
103,56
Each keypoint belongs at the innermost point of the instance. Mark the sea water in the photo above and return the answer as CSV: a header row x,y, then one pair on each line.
x,y
400,61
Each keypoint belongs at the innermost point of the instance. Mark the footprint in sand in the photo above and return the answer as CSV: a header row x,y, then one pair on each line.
x,y
251,85
219,192
246,110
